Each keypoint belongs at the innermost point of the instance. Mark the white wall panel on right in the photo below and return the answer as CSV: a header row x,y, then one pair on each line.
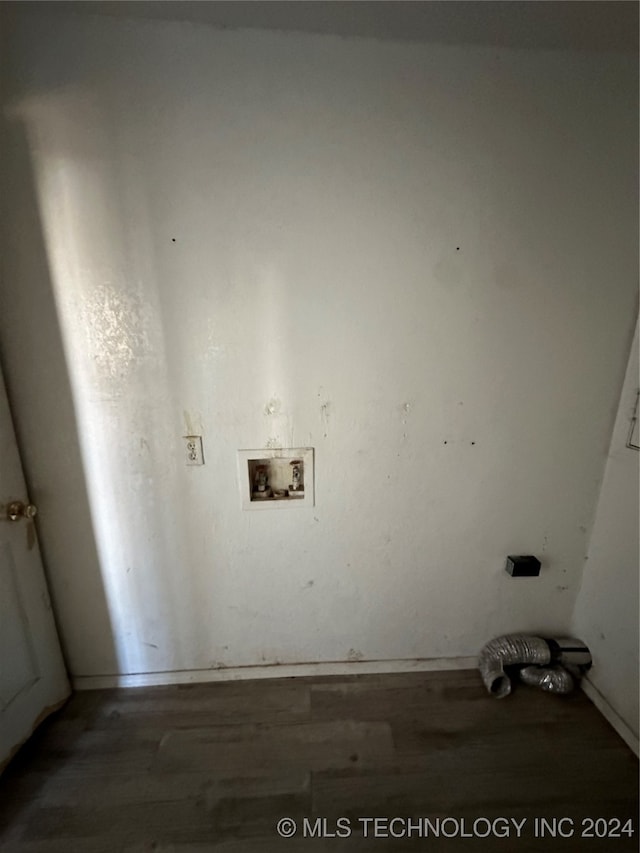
x,y
606,612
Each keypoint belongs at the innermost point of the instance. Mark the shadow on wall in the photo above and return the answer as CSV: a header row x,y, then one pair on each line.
x,y
40,394
83,337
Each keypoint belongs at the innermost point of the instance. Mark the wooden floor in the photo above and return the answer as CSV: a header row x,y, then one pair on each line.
x,y
215,767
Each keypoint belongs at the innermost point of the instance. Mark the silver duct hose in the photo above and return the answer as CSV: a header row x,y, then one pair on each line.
x,y
553,679
509,650
546,663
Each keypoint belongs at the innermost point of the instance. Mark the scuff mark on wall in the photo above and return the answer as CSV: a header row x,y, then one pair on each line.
x,y
355,655
404,409
280,425
193,422
273,406
325,414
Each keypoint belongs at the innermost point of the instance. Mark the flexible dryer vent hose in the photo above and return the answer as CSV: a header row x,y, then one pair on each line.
x,y
553,679
545,662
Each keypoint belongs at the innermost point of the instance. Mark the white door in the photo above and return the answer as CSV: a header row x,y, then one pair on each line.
x,y
33,681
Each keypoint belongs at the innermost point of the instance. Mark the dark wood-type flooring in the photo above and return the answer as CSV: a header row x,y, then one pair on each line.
x,y
213,767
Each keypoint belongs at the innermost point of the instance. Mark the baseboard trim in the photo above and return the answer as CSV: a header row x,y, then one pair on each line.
x,y
612,716
239,673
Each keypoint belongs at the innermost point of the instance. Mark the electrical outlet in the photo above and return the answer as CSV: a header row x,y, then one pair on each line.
x,y
193,444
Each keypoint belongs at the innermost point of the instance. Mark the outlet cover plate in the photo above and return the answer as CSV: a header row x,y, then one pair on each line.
x,y
193,450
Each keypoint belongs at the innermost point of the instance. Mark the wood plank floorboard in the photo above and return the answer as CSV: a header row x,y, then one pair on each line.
x,y
211,768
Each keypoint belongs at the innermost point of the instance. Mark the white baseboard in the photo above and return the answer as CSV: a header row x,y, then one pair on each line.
x,y
610,715
239,673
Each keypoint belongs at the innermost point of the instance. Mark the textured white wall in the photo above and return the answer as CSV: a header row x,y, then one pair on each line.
x,y
418,259
606,612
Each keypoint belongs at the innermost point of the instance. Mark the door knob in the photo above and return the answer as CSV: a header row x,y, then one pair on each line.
x,y
17,510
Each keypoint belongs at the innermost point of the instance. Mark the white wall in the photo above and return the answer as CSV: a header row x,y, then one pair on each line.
x,y
420,260
606,612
